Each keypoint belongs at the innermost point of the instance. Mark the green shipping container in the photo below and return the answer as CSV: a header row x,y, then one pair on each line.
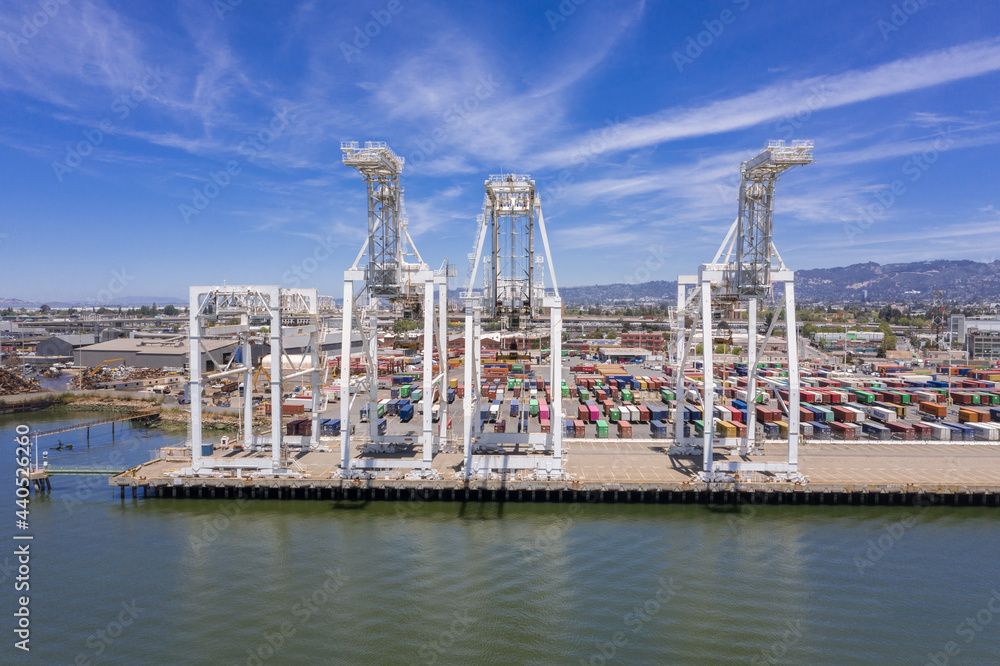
x,y
404,391
602,428
533,407
615,414
626,395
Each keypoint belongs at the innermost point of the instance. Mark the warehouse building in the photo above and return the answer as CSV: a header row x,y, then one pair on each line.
x,y
153,353
63,345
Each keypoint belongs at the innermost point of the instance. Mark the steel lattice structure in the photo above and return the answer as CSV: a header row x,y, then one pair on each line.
x,y
756,213
252,303
388,276
745,269
380,168
510,210
513,293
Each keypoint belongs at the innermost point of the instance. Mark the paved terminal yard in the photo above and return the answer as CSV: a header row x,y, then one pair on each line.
x,y
635,469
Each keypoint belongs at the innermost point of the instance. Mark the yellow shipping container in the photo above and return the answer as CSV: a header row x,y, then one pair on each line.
x,y
726,429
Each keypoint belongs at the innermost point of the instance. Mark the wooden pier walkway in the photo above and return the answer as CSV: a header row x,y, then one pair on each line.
x,y
146,413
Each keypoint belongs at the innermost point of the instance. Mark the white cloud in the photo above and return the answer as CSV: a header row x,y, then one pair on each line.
x,y
783,100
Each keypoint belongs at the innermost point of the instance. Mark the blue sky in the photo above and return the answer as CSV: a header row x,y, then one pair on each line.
x,y
632,117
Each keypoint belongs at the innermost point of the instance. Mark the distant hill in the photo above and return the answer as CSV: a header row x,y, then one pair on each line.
x,y
961,281
659,290
123,301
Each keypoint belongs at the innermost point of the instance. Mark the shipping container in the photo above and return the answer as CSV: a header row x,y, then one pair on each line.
x,y
986,431
844,431
876,430
901,430
939,431
330,427
821,430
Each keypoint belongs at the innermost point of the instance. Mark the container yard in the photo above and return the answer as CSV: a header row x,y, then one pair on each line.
x,y
853,450
511,411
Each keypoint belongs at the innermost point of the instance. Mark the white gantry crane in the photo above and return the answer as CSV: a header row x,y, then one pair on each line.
x,y
269,305
744,270
513,294
393,274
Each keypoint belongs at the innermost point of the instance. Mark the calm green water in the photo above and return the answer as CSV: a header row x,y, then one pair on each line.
x,y
217,582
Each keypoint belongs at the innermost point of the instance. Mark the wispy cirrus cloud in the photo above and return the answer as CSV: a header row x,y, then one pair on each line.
x,y
781,100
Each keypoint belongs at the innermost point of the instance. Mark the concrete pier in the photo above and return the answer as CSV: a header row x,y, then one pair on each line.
x,y
623,471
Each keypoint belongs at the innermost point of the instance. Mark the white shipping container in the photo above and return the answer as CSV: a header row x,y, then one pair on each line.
x,y
858,412
939,432
881,414
985,432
